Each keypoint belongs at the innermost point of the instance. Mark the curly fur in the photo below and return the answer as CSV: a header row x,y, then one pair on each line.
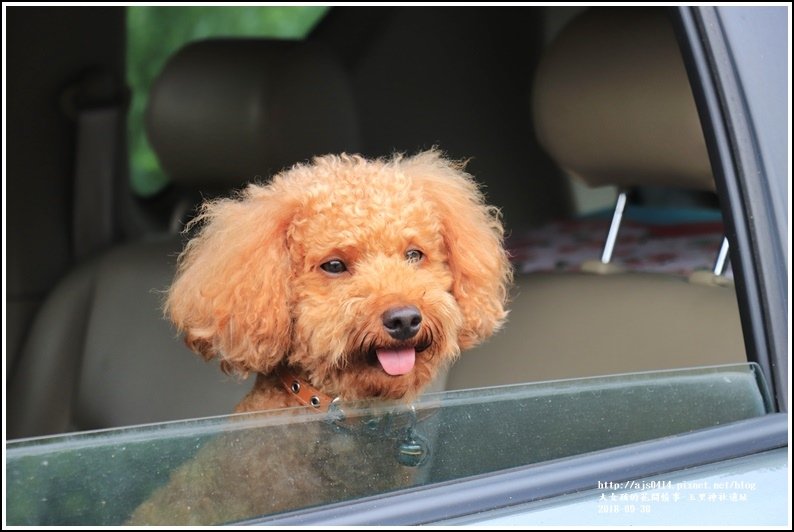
x,y
249,288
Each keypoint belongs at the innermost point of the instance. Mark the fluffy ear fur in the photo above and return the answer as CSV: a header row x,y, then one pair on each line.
x,y
473,235
231,293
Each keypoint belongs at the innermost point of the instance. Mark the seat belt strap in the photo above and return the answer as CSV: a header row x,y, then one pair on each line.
x,y
96,163
97,103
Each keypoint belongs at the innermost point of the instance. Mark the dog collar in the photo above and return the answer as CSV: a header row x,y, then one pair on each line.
x,y
304,392
411,450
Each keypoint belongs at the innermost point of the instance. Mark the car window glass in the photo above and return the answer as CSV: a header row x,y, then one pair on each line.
x,y
155,33
233,468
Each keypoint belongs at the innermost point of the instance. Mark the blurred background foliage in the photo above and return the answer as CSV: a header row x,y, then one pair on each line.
x,y
154,33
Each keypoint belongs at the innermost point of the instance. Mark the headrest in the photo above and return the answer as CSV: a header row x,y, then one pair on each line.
x,y
613,105
225,111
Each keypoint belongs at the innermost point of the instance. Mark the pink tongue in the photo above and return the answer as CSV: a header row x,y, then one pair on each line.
x,y
396,361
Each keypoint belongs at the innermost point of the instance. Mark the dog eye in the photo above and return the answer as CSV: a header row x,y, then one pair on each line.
x,y
334,266
414,255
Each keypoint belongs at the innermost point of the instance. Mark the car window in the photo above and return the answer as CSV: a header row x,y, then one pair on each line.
x,y
155,33
233,468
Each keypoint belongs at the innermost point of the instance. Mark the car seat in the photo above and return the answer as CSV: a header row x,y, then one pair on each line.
x,y
222,112
613,106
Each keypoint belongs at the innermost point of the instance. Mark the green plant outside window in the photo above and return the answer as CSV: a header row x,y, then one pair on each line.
x,y
155,33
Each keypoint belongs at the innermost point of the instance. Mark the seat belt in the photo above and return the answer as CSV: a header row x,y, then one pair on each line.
x,y
97,104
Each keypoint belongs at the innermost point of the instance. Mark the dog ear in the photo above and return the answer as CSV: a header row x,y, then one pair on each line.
x,y
473,235
231,293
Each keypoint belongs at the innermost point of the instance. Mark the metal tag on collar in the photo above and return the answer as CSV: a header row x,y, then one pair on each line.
x,y
412,450
335,413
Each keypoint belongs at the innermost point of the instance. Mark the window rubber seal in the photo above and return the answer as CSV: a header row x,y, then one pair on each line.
x,y
733,151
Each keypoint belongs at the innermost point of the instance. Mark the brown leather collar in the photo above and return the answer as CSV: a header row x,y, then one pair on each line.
x,y
304,392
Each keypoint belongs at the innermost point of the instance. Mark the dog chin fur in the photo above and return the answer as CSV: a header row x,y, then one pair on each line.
x,y
251,288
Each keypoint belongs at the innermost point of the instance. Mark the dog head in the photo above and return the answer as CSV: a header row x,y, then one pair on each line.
x,y
366,276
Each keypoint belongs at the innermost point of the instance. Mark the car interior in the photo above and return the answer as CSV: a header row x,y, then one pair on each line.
x,y
553,106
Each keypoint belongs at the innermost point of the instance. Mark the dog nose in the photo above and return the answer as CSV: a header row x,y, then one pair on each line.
x,y
402,323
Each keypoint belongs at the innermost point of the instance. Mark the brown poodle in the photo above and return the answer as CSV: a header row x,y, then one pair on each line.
x,y
358,278
344,278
